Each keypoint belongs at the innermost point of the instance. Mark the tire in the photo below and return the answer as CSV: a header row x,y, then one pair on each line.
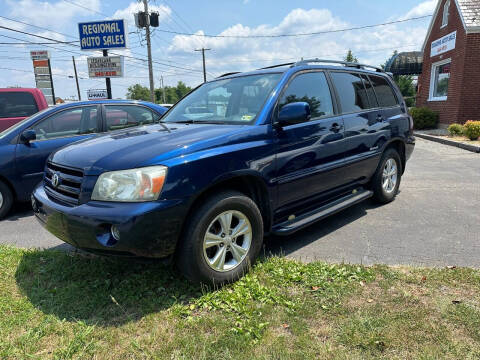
x,y
386,193
6,199
196,259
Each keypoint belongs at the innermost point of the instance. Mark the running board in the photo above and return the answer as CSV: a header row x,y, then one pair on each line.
x,y
290,226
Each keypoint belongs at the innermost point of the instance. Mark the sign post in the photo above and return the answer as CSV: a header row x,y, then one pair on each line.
x,y
103,35
108,83
43,74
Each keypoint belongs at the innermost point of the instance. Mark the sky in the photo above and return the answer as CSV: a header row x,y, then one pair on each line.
x,y
174,55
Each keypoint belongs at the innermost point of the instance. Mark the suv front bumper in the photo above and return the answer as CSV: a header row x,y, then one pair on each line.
x,y
148,229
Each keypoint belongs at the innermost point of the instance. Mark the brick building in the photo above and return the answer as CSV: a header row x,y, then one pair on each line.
x,y
450,81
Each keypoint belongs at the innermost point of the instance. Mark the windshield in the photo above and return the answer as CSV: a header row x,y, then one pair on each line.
x,y
19,124
231,101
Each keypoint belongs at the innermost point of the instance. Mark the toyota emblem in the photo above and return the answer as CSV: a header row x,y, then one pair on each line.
x,y
55,180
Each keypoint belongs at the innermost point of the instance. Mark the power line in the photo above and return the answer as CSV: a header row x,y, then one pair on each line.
x,y
296,35
36,26
71,43
38,36
86,8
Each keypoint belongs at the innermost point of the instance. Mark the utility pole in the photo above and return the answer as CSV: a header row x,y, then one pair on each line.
x,y
203,57
76,78
149,51
163,89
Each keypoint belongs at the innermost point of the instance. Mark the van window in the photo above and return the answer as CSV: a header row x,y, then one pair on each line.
x,y
351,91
17,104
385,95
71,122
312,88
124,116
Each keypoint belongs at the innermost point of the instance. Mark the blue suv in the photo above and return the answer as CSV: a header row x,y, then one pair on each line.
x,y
269,151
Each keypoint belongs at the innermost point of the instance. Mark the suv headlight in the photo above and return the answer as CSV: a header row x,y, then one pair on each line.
x,y
142,184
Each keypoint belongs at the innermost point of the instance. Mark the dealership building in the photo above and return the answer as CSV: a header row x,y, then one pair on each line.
x,y
449,82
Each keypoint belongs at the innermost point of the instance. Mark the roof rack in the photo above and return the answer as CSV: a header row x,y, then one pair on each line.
x,y
345,63
230,73
274,66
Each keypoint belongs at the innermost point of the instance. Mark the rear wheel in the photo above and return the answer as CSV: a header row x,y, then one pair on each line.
x,y
386,181
221,240
6,199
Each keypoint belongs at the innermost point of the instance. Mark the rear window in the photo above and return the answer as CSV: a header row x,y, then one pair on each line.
x,y
17,104
351,92
385,95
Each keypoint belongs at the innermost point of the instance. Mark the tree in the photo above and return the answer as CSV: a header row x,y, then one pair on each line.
x,y
138,92
172,93
350,57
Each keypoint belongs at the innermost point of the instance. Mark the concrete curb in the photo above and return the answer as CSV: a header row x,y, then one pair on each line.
x,y
472,148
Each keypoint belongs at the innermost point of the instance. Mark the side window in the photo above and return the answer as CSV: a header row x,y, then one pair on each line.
x,y
385,94
313,89
372,99
124,116
351,91
71,122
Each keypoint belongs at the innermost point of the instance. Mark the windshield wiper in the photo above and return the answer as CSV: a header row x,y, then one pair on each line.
x,y
189,121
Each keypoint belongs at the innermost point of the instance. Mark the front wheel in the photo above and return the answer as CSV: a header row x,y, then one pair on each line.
x,y
221,239
386,180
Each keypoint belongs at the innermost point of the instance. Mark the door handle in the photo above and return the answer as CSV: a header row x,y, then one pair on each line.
x,y
335,127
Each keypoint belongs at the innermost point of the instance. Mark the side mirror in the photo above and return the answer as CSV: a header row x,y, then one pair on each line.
x,y
28,135
294,113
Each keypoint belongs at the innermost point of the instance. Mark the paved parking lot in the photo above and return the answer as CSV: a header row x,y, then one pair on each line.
x,y
435,220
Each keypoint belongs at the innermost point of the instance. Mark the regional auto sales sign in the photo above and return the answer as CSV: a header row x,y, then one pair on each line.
x,y
100,35
443,44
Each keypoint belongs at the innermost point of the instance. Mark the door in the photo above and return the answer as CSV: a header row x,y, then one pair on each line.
x,y
364,127
53,132
310,155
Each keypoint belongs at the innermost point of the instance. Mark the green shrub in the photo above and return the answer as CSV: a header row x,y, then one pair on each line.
x,y
424,118
472,129
455,129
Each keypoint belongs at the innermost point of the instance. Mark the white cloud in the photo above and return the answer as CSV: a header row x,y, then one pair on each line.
x,y
371,46
50,14
424,8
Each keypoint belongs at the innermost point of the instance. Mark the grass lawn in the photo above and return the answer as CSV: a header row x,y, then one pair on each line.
x,y
62,306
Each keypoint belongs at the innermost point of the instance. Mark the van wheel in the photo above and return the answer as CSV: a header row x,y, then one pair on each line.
x,y
221,239
6,199
386,180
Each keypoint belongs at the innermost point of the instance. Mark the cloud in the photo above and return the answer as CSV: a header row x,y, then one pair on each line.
x,y
371,46
424,8
50,14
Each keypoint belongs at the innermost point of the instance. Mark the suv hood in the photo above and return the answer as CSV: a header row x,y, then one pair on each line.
x,y
136,147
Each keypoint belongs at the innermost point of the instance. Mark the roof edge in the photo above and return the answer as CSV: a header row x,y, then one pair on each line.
x,y
434,16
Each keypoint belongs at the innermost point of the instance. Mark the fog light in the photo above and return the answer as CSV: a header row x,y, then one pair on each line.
x,y
115,232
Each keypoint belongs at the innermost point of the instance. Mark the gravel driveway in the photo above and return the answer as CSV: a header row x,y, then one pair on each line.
x,y
434,221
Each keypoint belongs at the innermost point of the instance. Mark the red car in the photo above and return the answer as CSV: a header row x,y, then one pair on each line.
x,y
17,104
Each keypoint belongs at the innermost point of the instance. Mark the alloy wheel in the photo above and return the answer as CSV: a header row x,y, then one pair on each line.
x,y
227,240
390,176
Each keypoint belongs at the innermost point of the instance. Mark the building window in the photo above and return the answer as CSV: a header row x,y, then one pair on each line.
x,y
439,81
446,9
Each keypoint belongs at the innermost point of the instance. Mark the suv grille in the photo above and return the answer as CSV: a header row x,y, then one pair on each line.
x,y
63,183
